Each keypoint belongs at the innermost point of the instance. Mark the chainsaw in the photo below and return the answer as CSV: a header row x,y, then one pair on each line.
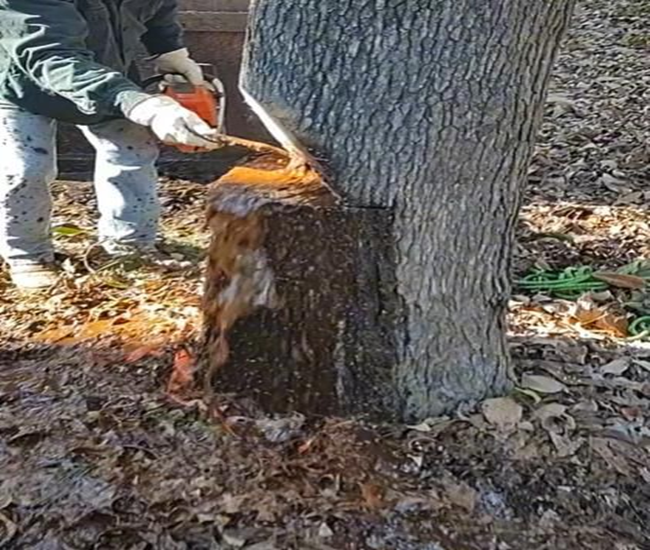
x,y
208,101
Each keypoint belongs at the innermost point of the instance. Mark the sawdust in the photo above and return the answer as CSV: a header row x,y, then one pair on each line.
x,y
239,278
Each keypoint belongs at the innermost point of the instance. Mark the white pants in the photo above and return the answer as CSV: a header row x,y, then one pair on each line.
x,y
125,184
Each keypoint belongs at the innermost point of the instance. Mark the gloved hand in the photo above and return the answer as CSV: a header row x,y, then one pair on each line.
x,y
180,62
174,124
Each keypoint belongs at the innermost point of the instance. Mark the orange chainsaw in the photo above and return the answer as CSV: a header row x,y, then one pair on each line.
x,y
208,101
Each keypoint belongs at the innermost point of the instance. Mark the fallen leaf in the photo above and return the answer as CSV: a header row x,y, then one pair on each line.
x,y
462,495
281,430
645,474
433,426
645,365
620,280
114,282
54,335
549,415
559,425
588,315
613,460
478,421
616,367
616,325
232,504
589,406
564,445
550,519
423,427
373,495
632,413
530,393
542,384
142,352
68,230
325,531
504,413
526,426
559,105
530,451
593,318
614,184
639,268
264,545
10,530
233,538
182,376
626,431
306,446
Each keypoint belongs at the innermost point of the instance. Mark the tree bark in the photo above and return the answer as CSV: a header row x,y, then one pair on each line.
x,y
426,112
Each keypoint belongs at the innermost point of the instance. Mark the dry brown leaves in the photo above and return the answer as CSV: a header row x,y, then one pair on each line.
x,y
143,309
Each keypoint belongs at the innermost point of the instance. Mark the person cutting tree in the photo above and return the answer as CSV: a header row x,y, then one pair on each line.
x,y
73,61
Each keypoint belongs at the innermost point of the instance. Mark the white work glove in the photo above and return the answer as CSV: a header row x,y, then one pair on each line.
x,y
180,62
173,124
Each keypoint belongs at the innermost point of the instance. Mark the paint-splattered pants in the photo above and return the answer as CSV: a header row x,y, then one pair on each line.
x,y
125,184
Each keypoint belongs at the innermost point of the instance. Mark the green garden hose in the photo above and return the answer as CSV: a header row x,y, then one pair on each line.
x,y
569,284
640,327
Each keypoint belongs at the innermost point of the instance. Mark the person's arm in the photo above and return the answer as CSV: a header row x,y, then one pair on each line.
x,y
164,41
46,40
164,33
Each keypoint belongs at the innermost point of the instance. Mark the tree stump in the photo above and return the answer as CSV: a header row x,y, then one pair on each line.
x,y
290,319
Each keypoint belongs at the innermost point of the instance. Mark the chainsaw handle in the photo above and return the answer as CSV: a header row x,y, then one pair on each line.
x,y
216,88
159,78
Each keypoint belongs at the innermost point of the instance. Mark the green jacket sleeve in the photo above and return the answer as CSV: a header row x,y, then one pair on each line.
x,y
164,33
45,40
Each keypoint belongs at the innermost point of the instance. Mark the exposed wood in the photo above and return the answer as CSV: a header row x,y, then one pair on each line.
x,y
260,333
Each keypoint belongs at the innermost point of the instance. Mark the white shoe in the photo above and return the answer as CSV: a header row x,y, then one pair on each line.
x,y
34,276
119,250
150,253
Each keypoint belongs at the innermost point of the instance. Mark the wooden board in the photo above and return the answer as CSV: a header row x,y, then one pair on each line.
x,y
215,5
214,15
208,21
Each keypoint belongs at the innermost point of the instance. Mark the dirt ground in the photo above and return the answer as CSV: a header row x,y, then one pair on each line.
x,y
97,453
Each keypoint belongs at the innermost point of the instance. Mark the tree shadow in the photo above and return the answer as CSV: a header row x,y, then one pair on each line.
x,y
197,168
93,438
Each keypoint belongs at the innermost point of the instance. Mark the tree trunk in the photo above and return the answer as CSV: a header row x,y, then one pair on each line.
x,y
426,111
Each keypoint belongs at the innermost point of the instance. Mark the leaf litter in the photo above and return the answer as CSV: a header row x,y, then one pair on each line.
x,y
101,446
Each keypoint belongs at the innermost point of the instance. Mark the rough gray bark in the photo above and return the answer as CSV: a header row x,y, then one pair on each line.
x,y
426,111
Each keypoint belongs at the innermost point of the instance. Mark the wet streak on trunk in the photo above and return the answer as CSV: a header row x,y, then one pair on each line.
x,y
426,111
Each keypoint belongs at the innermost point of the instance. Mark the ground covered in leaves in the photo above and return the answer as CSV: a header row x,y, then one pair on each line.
x,y
97,452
